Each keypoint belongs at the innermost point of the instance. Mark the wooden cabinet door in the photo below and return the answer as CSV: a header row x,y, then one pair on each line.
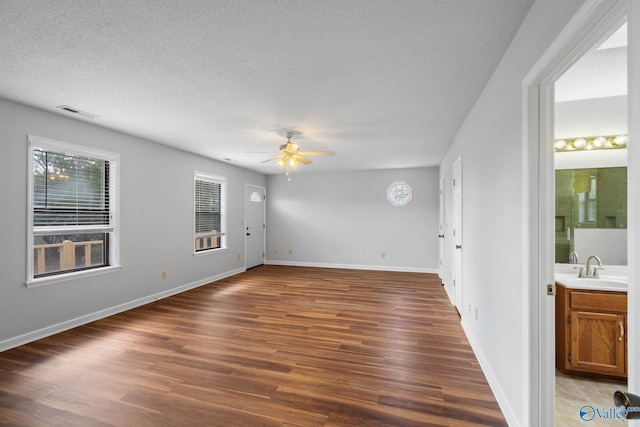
x,y
598,342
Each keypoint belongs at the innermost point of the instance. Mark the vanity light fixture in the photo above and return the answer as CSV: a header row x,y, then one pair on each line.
x,y
590,143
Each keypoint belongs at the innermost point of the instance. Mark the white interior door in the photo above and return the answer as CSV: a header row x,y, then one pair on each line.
x,y
457,234
441,229
255,226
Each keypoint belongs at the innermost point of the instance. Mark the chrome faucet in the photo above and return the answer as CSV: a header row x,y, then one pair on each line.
x,y
592,272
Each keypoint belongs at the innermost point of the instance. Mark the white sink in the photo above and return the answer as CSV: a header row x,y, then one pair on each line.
x,y
603,283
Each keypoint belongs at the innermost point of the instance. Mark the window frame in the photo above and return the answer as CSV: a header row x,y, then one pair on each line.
x,y
222,234
393,199
112,234
588,203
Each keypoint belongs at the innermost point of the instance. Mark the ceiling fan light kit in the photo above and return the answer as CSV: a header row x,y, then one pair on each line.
x,y
290,156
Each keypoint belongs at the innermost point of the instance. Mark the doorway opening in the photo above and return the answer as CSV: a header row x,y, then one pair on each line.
x,y
590,164
590,24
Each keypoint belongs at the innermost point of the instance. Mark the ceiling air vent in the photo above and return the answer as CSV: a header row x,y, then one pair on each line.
x,y
76,111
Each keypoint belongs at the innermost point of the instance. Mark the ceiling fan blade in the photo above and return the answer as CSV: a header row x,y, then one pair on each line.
x,y
302,159
317,153
273,158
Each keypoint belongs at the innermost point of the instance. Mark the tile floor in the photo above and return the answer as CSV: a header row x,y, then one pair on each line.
x,y
572,393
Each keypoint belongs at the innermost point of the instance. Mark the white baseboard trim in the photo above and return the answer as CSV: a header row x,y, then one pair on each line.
x,y
449,293
355,266
506,409
101,314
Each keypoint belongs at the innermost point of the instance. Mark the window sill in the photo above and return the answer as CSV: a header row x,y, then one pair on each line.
x,y
210,251
42,281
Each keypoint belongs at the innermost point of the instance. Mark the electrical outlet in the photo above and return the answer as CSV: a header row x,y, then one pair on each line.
x,y
238,257
276,251
476,314
242,222
290,251
164,274
383,255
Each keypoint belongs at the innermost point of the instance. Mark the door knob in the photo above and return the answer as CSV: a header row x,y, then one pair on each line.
x,y
248,234
458,246
441,236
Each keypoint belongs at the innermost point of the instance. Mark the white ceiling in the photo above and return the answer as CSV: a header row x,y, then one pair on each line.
x,y
601,72
384,84
598,74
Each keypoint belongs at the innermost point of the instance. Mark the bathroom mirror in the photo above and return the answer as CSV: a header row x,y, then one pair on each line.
x,y
591,214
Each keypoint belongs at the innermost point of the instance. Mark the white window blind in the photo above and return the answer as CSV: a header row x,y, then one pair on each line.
x,y
70,193
210,224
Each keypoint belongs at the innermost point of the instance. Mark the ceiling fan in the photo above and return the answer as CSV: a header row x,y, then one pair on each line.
x,y
290,156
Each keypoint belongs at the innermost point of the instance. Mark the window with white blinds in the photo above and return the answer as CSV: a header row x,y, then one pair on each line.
x,y
209,208
72,208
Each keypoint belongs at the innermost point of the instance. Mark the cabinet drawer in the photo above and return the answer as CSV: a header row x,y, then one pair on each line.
x,y
599,301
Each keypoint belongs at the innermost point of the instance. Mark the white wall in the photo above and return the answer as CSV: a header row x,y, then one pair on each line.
x,y
490,143
156,217
344,220
591,117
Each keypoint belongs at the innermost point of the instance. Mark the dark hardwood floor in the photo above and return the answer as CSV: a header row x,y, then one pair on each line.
x,y
275,346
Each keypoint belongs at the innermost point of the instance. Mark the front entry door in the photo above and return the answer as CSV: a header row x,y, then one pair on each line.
x,y
255,225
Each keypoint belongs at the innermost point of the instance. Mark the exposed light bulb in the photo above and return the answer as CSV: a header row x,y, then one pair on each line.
x,y
620,140
281,162
599,142
580,143
560,144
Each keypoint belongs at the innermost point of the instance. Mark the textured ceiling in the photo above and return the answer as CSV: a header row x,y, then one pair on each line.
x,y
384,84
598,74
601,72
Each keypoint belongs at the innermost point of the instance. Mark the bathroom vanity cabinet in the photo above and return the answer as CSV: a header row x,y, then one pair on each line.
x,y
590,332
